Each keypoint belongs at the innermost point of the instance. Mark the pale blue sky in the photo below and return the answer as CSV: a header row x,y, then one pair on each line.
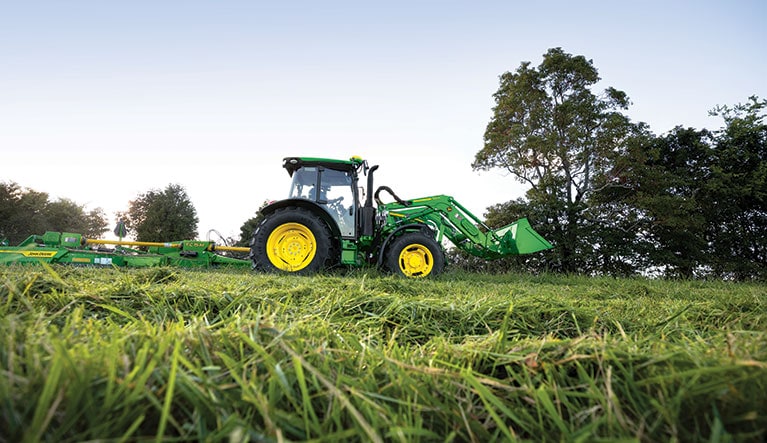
x,y
103,100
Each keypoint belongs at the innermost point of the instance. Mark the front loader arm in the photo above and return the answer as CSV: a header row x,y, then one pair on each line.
x,y
452,220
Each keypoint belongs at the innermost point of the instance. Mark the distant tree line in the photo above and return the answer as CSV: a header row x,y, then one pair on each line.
x,y
158,215
614,198
154,216
24,212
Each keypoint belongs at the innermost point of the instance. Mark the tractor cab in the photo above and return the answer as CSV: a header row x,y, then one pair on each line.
x,y
331,184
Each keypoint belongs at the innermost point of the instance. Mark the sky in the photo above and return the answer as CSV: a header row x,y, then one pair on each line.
x,y
102,101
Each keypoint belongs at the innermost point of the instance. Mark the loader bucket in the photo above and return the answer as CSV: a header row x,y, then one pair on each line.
x,y
520,238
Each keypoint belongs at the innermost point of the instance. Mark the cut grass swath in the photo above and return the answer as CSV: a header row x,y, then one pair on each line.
x,y
137,355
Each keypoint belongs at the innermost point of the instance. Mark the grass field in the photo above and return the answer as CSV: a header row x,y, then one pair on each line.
x,y
169,355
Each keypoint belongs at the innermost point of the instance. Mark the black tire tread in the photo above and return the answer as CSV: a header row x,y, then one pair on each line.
x,y
324,256
410,238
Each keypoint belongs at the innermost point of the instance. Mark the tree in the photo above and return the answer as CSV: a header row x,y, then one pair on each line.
x,y
96,223
64,215
550,131
663,182
736,193
24,212
247,228
702,196
158,216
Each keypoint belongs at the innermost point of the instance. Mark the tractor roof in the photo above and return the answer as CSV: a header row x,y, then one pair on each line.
x,y
291,164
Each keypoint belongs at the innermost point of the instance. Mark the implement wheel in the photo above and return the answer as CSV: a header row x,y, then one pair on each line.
x,y
416,255
291,240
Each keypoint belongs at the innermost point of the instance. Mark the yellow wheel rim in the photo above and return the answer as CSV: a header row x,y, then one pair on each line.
x,y
291,247
416,261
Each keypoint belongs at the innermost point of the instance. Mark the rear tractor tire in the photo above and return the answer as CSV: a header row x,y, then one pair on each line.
x,y
292,240
415,255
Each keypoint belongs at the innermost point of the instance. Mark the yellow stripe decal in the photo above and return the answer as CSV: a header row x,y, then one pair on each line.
x,y
37,254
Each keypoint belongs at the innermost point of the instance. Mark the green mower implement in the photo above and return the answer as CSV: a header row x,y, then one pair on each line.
x,y
71,248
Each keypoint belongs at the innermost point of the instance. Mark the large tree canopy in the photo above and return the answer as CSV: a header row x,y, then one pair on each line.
x,y
736,202
614,198
664,182
552,131
703,196
159,216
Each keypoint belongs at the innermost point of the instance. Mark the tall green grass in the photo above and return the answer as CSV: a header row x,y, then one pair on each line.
x,y
169,355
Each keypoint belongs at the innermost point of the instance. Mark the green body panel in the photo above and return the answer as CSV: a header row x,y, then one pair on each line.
x,y
350,253
67,248
35,255
196,253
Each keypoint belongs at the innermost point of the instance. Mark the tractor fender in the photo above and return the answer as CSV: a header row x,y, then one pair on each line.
x,y
396,233
309,205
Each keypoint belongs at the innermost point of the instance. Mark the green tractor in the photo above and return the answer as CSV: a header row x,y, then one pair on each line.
x,y
329,219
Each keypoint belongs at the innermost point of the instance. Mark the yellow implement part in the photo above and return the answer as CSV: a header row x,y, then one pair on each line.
x,y
212,247
232,248
90,241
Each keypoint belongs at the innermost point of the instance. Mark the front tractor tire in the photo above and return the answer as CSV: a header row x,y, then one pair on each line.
x,y
291,240
415,255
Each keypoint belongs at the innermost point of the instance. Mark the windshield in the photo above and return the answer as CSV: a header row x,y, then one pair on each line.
x,y
331,189
304,180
